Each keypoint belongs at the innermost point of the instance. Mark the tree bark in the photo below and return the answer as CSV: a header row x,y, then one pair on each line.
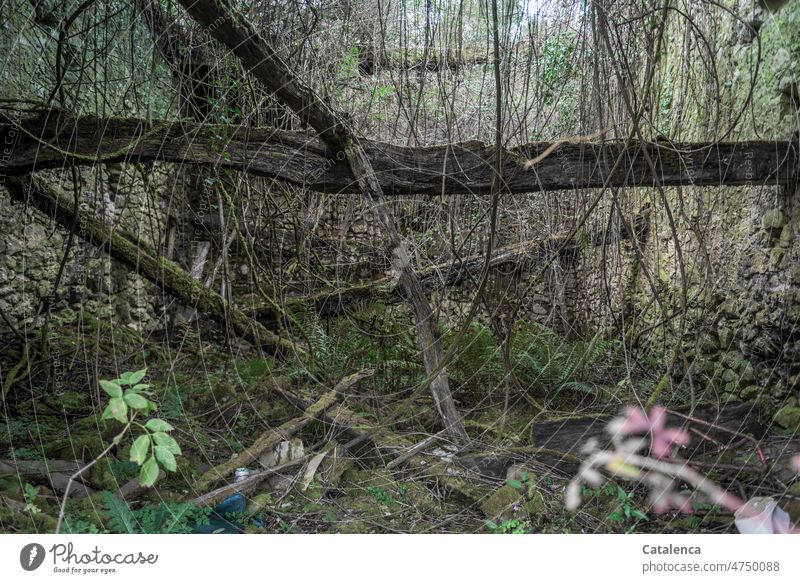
x,y
300,158
224,24
160,271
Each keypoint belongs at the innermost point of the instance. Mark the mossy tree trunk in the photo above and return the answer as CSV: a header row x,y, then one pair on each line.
x,y
160,271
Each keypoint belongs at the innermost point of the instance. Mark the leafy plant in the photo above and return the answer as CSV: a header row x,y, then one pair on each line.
x,y
30,493
154,448
541,360
349,66
174,398
524,478
627,510
378,339
510,526
381,495
558,66
79,526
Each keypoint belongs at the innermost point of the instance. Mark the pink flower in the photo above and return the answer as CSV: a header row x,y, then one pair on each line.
x,y
796,463
663,438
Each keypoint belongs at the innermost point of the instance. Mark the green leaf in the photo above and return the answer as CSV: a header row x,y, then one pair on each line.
x,y
167,441
514,484
149,472
139,388
639,514
112,388
158,425
165,458
131,378
117,409
140,449
491,525
136,401
615,517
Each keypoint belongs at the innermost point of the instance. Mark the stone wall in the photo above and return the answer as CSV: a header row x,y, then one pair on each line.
x,y
732,249
32,249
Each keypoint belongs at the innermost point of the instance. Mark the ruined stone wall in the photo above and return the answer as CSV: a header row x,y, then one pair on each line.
x,y
739,267
734,250
32,248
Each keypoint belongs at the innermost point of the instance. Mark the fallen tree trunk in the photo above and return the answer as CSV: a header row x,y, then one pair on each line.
x,y
398,450
274,436
332,302
372,60
41,468
55,472
257,55
160,271
302,159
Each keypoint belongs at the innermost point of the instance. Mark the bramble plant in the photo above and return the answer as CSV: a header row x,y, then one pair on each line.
x,y
154,448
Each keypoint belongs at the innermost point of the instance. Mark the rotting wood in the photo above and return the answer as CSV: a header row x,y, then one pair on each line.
x,y
135,256
247,485
302,159
411,452
39,467
133,487
274,436
433,472
40,519
55,472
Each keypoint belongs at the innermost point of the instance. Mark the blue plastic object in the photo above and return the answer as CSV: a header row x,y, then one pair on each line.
x,y
220,520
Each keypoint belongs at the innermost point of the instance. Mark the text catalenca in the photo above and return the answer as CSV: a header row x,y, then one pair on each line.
x,y
669,550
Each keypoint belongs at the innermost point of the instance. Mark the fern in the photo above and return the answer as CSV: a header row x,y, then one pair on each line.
x,y
78,526
163,518
172,407
478,361
375,338
120,517
550,364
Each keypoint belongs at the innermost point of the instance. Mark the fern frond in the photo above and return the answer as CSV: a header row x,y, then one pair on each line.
x,y
120,517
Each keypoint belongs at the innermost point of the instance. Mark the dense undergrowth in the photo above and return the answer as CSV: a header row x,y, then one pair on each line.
x,y
219,398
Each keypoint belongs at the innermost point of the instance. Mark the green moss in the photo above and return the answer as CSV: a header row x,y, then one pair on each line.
x,y
788,418
501,504
773,219
750,392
